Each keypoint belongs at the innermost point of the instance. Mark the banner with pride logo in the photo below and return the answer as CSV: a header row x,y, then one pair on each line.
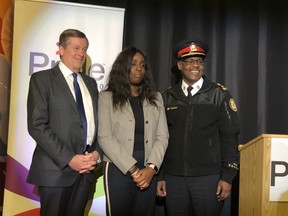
x,y
37,26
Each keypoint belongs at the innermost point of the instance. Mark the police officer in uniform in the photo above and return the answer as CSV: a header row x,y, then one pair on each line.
x,y
202,158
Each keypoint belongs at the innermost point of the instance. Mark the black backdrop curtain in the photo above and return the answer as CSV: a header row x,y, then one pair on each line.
x,y
248,43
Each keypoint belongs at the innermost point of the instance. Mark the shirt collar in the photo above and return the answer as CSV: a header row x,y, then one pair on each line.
x,y
196,86
65,70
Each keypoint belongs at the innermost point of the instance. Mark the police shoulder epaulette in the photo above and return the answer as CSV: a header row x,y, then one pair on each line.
x,y
223,87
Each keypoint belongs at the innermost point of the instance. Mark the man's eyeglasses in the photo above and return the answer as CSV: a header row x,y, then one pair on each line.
x,y
193,61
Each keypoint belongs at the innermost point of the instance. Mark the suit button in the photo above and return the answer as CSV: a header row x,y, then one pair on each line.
x,y
146,141
146,122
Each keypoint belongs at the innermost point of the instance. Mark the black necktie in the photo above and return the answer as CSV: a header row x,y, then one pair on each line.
x,y
189,89
80,106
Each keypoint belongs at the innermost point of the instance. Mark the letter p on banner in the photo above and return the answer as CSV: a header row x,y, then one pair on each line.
x,y
279,170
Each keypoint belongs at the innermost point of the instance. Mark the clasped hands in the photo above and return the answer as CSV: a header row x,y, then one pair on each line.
x,y
142,177
84,163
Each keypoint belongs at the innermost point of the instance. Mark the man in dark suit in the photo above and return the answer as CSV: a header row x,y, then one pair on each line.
x,y
66,141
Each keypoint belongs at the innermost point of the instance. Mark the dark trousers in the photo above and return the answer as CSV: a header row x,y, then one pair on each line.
x,y
65,201
123,197
192,196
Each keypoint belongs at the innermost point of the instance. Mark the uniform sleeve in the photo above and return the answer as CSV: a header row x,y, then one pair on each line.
x,y
228,124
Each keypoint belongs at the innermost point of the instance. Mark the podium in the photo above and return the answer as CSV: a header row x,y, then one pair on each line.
x,y
255,175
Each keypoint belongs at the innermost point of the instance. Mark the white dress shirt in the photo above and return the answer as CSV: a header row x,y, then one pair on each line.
x,y
196,86
87,102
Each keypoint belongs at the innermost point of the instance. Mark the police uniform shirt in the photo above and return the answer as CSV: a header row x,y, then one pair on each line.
x,y
196,87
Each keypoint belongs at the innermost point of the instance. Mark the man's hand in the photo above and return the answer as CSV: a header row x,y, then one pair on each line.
x,y
161,189
84,163
223,190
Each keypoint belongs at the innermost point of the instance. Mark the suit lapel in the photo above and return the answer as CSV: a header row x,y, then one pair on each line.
x,y
61,82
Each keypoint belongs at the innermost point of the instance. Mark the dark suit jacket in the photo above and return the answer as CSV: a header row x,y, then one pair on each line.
x,y
54,123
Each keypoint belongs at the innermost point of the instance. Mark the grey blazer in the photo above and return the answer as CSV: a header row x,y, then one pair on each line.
x,y
116,132
54,123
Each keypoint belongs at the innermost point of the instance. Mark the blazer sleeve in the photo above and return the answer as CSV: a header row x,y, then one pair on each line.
x,y
160,135
110,134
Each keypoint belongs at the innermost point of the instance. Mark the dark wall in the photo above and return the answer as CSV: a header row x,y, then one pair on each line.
x,y
248,42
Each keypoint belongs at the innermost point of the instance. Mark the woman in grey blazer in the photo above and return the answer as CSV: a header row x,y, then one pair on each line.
x,y
133,135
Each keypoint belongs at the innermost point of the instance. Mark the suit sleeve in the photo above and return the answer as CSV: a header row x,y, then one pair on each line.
x,y
39,122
